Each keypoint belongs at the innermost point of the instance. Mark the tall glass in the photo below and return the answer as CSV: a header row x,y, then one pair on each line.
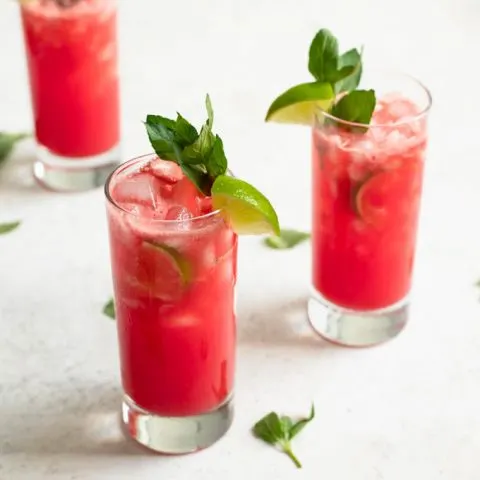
x,y
174,297
366,196
71,48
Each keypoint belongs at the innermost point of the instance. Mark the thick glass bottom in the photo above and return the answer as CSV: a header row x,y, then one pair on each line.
x,y
70,174
176,435
353,328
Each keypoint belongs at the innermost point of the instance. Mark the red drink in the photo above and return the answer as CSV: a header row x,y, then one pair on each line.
x,y
366,197
174,272
72,61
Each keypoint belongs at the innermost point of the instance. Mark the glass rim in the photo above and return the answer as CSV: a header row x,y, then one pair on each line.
x,y
157,221
423,112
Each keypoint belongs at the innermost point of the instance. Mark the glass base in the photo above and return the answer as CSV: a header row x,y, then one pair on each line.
x,y
352,328
70,174
176,435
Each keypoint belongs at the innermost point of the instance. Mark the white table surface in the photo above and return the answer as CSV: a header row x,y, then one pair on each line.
x,y
406,410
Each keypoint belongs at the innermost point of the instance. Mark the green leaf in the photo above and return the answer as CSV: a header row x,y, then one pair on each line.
x,y
8,141
109,309
201,147
323,56
217,161
196,173
269,429
297,427
208,105
356,107
8,227
278,431
350,63
288,238
161,133
185,132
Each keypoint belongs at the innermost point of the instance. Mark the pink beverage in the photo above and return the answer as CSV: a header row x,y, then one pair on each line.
x,y
366,199
71,48
174,273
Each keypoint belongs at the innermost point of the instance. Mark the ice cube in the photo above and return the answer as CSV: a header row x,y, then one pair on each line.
x,y
140,188
177,212
167,171
204,205
185,193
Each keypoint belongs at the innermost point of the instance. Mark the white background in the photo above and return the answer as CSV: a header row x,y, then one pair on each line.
x,y
406,410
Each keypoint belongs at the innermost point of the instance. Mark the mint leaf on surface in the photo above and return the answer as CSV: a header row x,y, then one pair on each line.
x,y
297,427
356,107
201,147
8,141
323,56
9,227
109,309
280,430
288,238
208,105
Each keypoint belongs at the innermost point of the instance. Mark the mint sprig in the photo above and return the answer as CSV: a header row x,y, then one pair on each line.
x,y
201,156
279,431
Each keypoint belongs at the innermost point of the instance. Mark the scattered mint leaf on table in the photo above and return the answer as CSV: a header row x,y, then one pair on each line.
x,y
279,431
8,141
288,238
109,309
8,227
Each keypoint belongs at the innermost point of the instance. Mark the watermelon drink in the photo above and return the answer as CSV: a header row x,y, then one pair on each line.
x,y
71,48
366,187
173,241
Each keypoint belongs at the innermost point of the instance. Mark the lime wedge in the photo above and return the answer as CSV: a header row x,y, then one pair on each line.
x,y
247,210
298,104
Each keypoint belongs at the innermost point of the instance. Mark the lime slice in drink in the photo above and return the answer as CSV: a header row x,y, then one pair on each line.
x,y
162,270
385,197
247,210
298,104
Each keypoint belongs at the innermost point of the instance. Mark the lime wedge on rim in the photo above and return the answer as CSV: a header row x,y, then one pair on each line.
x,y
298,104
247,210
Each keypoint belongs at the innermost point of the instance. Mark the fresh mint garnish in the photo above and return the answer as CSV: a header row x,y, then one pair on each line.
x,y
279,431
8,141
356,107
109,309
8,227
200,155
288,238
341,73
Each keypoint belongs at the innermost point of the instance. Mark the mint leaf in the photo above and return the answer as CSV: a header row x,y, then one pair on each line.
x,y
185,132
297,427
109,309
279,431
8,141
201,147
350,63
356,107
288,238
196,173
323,56
208,105
8,227
161,133
217,161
